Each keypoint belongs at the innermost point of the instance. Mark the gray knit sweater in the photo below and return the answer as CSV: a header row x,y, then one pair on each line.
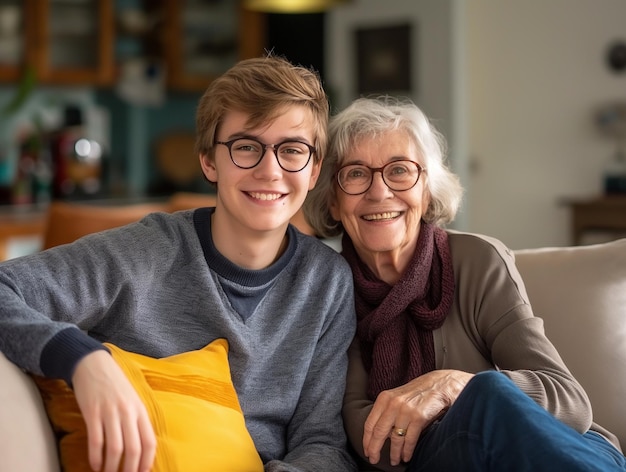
x,y
159,287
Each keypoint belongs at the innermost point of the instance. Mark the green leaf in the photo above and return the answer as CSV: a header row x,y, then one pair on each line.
x,y
26,86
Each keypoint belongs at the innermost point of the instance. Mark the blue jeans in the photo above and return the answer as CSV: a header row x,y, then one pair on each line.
x,y
494,426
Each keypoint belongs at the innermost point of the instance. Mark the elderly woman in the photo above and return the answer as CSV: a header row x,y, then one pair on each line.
x,y
450,369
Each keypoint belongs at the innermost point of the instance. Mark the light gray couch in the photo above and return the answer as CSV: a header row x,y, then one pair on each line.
x,y
580,292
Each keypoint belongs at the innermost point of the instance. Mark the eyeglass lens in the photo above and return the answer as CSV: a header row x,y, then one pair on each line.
x,y
397,175
292,156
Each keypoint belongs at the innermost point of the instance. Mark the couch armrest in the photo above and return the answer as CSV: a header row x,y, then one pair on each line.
x,y
580,292
26,439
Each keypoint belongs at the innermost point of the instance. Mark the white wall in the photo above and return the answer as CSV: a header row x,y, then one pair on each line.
x,y
513,85
536,73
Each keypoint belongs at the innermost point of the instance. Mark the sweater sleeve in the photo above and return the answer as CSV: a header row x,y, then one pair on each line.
x,y
39,300
46,296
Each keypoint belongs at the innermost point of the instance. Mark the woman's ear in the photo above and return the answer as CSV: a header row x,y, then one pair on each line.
x,y
426,198
208,167
334,210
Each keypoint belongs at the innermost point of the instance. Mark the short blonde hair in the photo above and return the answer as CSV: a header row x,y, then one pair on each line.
x,y
372,117
262,87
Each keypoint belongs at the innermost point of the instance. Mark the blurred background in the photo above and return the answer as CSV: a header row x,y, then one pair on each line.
x,y
98,97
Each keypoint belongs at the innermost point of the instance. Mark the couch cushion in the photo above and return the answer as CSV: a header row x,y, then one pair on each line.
x,y
192,405
26,441
580,292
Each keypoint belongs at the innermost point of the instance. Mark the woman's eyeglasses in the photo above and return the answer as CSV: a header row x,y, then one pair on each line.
x,y
355,179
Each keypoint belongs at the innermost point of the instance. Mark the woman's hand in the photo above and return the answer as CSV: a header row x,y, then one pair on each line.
x,y
410,408
118,425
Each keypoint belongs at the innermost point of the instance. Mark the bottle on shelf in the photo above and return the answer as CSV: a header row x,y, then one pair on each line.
x,y
76,159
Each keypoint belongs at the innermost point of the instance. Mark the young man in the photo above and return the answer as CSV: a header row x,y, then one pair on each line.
x,y
173,283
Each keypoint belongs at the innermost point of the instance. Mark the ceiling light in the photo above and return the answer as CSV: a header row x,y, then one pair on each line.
x,y
291,6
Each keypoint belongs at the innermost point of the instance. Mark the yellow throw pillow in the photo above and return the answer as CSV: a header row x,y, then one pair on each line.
x,y
192,404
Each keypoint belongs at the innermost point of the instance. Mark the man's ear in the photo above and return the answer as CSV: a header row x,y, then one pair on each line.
x,y
315,174
208,167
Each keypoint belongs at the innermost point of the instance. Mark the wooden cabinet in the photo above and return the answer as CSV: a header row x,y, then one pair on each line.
x,y
605,214
202,39
12,39
73,42
65,42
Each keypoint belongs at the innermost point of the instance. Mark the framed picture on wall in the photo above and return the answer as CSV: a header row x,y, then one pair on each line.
x,y
384,59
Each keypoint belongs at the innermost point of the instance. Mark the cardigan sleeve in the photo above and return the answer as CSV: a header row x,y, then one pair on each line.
x,y
493,317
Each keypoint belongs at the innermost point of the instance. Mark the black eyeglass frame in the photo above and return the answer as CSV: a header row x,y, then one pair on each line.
x,y
264,147
373,170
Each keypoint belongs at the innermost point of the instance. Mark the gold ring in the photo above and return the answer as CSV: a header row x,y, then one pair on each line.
x,y
400,431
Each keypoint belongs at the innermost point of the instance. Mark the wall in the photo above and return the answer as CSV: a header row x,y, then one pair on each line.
x,y
134,130
536,73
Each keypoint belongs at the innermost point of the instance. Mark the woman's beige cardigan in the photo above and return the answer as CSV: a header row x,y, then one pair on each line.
x,y
491,325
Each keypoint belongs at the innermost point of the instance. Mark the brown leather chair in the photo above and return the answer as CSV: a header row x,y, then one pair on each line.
x,y
186,200
68,221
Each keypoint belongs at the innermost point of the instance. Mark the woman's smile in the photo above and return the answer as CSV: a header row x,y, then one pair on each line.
x,y
385,216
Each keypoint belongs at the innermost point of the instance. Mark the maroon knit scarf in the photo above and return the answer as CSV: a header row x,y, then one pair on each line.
x,y
396,323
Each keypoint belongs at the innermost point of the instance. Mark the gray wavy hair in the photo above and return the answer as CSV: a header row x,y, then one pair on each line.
x,y
372,117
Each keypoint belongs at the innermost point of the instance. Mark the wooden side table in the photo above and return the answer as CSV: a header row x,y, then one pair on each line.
x,y
598,214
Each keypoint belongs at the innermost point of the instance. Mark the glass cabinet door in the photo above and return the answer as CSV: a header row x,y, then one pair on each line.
x,y
12,39
73,41
204,38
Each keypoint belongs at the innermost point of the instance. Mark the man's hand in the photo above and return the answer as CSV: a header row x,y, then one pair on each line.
x,y
118,425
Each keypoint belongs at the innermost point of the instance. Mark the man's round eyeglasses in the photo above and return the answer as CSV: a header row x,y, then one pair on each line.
x,y
246,153
355,179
